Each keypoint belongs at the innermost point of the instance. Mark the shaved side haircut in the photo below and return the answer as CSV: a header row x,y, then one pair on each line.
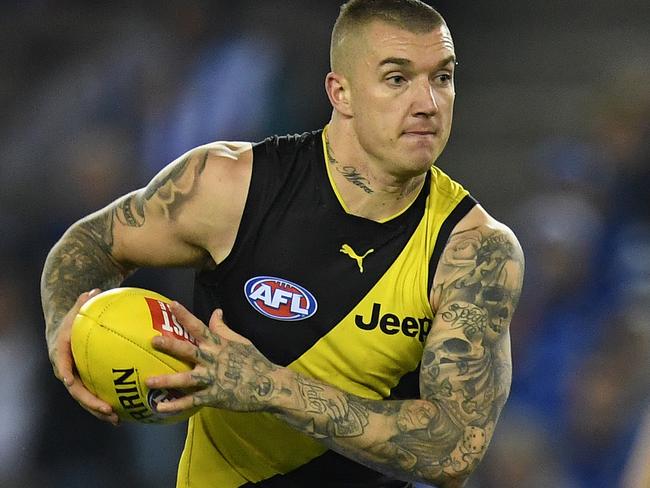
x,y
410,15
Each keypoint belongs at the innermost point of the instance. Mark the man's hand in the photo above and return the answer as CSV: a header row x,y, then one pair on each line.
x,y
229,372
60,352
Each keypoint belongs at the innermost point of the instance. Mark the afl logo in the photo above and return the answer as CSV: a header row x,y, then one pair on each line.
x,y
279,299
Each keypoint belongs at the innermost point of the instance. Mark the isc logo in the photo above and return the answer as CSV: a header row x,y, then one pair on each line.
x,y
164,321
279,299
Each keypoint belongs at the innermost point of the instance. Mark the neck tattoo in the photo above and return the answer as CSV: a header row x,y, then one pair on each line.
x,y
350,173
330,154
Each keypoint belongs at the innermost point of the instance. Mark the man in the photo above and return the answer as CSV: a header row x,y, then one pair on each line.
x,y
369,295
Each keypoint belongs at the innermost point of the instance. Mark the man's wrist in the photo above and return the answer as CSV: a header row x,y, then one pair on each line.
x,y
283,395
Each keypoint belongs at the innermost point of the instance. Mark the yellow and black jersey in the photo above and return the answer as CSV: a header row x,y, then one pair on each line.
x,y
328,294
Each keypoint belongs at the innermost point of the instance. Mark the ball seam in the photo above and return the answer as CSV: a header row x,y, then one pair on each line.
x,y
132,292
137,292
139,346
88,369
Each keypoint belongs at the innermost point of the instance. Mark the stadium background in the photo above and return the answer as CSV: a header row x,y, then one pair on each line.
x,y
550,134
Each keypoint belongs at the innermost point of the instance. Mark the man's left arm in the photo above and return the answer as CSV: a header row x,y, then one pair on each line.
x,y
464,379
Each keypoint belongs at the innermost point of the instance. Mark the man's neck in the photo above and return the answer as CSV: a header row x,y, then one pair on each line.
x,y
365,187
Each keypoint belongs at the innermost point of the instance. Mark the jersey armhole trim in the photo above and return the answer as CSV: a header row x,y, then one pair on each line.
x,y
461,210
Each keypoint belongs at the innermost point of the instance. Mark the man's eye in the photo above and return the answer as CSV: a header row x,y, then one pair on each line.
x,y
396,80
444,79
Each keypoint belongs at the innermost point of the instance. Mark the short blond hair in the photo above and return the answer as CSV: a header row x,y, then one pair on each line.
x,y
411,15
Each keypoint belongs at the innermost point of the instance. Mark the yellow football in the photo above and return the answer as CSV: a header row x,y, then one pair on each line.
x,y
111,346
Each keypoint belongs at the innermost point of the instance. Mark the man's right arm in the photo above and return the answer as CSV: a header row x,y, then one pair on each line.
x,y
187,215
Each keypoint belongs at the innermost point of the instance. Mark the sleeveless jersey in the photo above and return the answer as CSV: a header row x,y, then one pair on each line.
x,y
328,294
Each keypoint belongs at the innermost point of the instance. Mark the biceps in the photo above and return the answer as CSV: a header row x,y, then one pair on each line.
x,y
466,366
467,354
144,235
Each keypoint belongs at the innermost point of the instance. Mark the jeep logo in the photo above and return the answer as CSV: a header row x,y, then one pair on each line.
x,y
391,324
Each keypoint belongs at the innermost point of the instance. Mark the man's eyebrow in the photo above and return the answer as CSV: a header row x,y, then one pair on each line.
x,y
397,61
451,59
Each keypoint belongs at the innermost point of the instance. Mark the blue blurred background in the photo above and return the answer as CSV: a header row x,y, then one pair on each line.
x,y
551,135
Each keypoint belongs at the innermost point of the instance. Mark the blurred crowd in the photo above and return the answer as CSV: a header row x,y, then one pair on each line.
x,y
96,99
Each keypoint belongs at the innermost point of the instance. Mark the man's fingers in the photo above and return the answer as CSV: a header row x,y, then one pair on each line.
x,y
83,298
183,350
182,380
91,403
219,327
176,405
72,313
110,418
93,292
190,323
216,321
63,362
83,396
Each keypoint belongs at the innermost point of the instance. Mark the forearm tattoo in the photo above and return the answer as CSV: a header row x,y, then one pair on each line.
x,y
80,261
83,259
464,381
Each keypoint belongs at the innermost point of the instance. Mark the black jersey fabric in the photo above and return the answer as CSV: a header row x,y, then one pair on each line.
x,y
292,228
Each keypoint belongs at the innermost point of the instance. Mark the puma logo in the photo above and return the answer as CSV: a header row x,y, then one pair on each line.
x,y
345,249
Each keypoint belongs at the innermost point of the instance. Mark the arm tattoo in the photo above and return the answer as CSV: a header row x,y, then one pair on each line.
x,y
83,259
464,381
172,188
130,211
178,184
342,417
80,261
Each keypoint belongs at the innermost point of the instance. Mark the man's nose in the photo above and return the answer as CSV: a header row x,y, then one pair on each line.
x,y
425,104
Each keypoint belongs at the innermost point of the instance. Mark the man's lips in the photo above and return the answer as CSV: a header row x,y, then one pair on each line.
x,y
423,132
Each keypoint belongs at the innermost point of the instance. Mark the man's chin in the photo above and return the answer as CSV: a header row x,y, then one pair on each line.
x,y
423,157
415,166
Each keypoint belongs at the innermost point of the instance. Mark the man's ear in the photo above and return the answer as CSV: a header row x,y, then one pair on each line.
x,y
338,91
